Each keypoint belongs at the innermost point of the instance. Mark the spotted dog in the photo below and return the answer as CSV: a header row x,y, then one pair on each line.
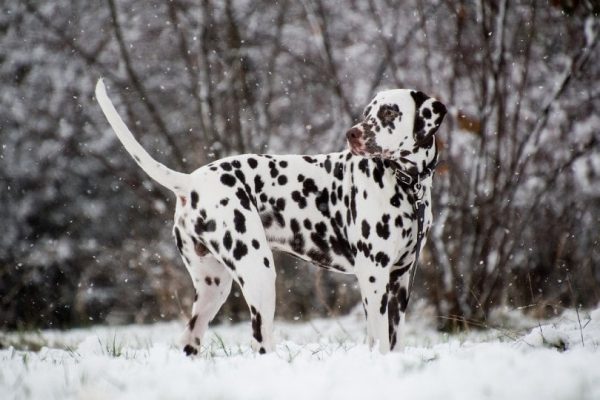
x,y
363,211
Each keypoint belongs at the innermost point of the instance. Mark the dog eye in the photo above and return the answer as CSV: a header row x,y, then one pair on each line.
x,y
387,114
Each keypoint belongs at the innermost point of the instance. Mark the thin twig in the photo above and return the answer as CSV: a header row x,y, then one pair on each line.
x,y
139,87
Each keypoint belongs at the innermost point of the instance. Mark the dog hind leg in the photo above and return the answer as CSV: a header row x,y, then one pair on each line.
x,y
256,277
212,284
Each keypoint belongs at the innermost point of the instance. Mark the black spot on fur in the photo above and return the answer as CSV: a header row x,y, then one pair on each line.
x,y
240,175
243,198
239,221
224,202
203,226
255,244
378,173
256,327
297,241
419,98
366,229
252,163
396,199
208,280
225,166
341,247
338,171
266,219
383,306
307,224
266,262
273,169
398,221
339,220
363,166
353,202
279,218
228,180
258,184
240,250
321,229
403,298
227,241
309,187
229,263
382,228
192,322
382,259
322,202
397,273
393,319
387,114
178,240
298,198
439,108
279,204
194,197
282,180
419,126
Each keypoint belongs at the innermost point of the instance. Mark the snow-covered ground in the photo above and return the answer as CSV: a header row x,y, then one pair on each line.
x,y
321,359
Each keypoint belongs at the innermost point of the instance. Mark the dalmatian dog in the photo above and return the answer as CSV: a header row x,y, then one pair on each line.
x,y
352,212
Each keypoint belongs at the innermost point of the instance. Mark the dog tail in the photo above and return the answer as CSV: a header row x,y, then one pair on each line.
x,y
172,180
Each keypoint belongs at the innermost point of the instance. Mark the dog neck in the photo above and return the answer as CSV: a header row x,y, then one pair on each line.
x,y
410,171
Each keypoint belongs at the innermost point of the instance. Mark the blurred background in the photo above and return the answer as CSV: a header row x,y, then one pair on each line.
x,y
86,235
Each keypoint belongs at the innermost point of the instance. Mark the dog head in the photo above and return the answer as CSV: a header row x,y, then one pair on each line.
x,y
396,124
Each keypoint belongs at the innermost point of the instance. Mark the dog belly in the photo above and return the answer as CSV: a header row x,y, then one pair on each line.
x,y
312,238
331,263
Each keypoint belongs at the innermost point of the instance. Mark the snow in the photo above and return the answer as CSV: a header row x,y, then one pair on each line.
x,y
320,359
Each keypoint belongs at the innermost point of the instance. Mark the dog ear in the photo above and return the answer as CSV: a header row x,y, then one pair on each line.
x,y
429,114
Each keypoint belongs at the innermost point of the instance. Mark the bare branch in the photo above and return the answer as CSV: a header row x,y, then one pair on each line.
x,y
139,87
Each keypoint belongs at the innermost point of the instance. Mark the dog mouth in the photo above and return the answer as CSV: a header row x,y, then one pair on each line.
x,y
360,148
357,147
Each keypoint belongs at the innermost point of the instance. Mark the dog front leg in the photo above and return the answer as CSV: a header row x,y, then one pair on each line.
x,y
373,282
397,302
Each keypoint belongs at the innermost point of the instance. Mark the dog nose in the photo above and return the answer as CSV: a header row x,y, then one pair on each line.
x,y
353,134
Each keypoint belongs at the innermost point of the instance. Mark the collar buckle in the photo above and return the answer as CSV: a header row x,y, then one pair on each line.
x,y
404,177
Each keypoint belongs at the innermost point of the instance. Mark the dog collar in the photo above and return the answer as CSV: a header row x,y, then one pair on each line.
x,y
411,178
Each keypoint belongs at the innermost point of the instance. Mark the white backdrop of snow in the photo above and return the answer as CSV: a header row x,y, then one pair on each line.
x,y
321,359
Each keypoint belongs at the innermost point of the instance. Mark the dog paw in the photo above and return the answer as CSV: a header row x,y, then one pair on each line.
x,y
261,348
190,350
